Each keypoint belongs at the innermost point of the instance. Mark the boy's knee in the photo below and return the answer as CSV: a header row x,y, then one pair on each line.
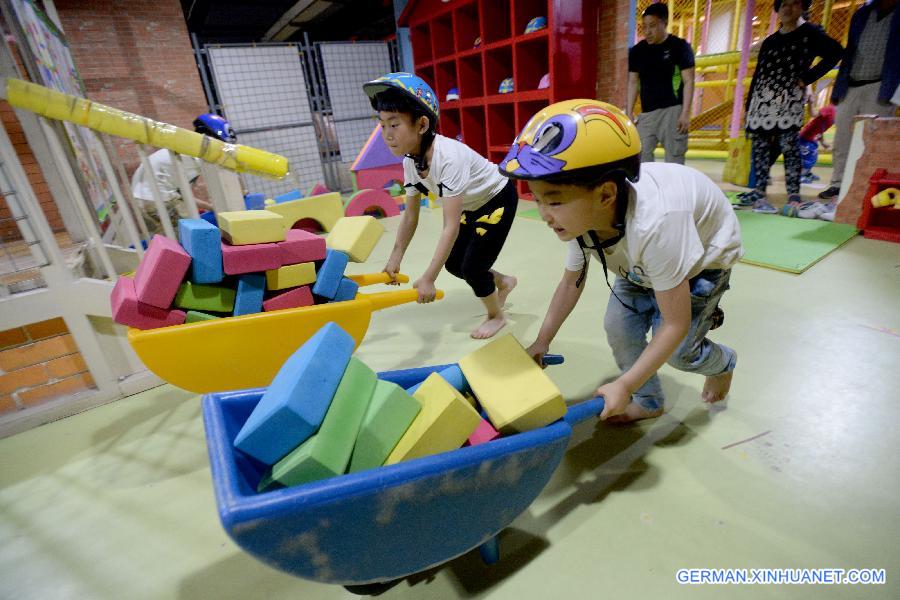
x,y
685,359
454,269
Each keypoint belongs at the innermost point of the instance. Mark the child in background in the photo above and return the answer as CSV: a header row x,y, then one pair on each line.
x,y
479,203
811,137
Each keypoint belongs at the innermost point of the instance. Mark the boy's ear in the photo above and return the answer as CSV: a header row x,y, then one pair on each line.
x,y
422,124
606,193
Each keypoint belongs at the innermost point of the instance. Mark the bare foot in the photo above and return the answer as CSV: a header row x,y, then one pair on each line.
x,y
634,412
490,327
716,387
505,285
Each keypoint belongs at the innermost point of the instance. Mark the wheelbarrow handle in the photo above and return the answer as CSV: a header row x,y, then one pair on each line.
x,y
584,410
553,359
364,279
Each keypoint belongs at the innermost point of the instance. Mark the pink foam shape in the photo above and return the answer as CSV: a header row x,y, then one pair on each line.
x,y
295,298
157,278
485,432
301,246
127,310
318,189
365,201
251,258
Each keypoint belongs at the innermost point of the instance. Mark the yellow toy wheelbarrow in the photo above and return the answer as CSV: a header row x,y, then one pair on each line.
x,y
247,351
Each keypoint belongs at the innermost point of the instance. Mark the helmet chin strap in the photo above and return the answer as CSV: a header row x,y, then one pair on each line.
x,y
420,158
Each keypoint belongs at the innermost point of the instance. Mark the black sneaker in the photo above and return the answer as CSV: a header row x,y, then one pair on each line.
x,y
830,193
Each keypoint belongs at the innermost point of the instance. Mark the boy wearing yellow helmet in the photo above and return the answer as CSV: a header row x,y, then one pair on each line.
x,y
479,203
669,236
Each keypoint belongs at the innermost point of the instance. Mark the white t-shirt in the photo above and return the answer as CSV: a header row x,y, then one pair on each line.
x,y
166,179
456,170
678,223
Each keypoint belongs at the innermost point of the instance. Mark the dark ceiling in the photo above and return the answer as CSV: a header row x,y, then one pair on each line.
x,y
234,21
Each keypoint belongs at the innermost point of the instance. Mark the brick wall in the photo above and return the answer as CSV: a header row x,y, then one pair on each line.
x,y
38,363
135,55
612,51
881,138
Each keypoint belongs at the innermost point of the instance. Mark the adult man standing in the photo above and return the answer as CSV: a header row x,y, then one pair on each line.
x,y
868,77
662,67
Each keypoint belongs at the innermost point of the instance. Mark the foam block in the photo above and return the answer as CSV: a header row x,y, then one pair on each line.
x,y
197,296
255,201
203,242
347,289
317,190
390,413
453,375
293,406
288,196
249,297
237,260
356,236
290,276
485,432
445,422
195,316
210,217
127,310
242,227
514,391
295,298
157,278
327,453
371,202
330,274
326,210
301,246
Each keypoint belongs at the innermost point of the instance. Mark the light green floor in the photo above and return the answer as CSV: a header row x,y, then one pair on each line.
x,y
117,502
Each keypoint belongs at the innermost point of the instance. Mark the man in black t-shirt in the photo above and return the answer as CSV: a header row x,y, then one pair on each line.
x,y
662,67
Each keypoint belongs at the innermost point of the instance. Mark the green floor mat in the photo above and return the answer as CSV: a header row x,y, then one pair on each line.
x,y
788,244
531,213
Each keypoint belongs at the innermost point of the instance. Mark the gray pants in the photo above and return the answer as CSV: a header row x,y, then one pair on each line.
x,y
660,126
862,100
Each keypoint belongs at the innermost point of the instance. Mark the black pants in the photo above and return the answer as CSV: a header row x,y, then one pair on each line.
x,y
766,148
482,233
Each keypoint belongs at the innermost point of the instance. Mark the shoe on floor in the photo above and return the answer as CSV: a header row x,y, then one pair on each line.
x,y
830,193
792,205
810,210
748,199
828,211
762,206
809,177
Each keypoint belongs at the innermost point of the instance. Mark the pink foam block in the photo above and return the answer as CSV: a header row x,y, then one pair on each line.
x,y
301,246
237,260
127,310
484,433
157,278
301,296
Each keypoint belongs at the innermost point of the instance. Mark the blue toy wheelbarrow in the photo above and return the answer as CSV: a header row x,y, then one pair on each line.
x,y
385,523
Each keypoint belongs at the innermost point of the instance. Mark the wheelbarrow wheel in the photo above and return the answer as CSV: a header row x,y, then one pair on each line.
x,y
372,589
490,551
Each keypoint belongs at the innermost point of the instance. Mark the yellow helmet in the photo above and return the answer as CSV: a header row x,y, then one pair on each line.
x,y
574,139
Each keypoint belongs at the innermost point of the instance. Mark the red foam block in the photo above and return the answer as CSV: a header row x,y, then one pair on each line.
x,y
157,278
300,296
237,260
301,246
128,310
485,432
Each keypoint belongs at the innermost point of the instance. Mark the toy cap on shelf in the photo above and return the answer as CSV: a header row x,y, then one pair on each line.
x,y
453,94
545,82
536,24
506,86
477,42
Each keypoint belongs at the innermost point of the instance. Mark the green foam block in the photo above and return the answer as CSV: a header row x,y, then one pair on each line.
x,y
201,297
194,316
390,414
327,453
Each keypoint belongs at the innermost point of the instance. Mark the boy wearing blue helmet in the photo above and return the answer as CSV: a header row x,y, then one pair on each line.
x,y
666,232
479,203
167,182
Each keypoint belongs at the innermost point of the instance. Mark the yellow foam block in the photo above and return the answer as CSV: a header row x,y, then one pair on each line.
x,y
326,209
514,391
445,422
291,276
355,236
242,227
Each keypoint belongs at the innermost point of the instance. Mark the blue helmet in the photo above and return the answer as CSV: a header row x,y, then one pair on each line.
x,y
412,86
215,126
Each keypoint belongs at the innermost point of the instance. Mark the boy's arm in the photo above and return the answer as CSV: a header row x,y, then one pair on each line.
x,y
675,309
408,224
684,120
452,212
564,300
633,84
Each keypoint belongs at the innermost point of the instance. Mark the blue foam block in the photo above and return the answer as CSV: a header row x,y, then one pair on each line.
x,y
288,196
250,290
347,289
255,201
293,406
454,376
210,217
203,241
329,276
